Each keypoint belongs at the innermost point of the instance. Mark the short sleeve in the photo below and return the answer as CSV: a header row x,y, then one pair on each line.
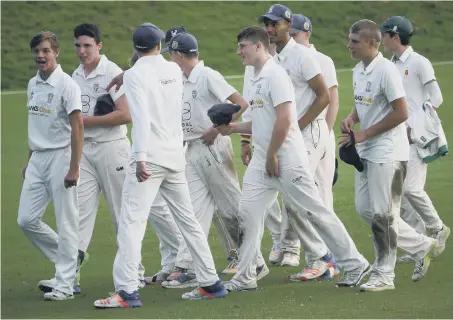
x,y
280,87
308,66
330,74
425,71
71,96
392,83
114,70
218,86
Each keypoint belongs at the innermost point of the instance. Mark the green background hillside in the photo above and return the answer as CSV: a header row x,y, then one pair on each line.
x,y
215,24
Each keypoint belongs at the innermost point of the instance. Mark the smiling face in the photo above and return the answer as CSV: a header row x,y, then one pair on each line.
x,y
45,56
277,30
247,51
87,49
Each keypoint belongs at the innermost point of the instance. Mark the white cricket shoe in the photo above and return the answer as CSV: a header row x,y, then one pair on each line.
x,y
276,255
422,265
375,284
232,267
49,285
57,295
290,259
232,287
185,280
313,270
261,272
441,236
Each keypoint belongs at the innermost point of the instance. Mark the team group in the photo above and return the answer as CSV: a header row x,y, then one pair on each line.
x,y
180,176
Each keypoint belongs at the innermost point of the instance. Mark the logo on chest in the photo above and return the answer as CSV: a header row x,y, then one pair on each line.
x,y
96,87
49,98
194,94
368,86
258,89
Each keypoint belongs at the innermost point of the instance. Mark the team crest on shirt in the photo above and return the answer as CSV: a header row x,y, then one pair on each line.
x,y
194,94
96,87
49,98
368,86
406,72
258,88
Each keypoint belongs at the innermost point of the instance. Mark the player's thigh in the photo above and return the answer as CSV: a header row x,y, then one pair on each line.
x,y
316,137
34,196
88,189
416,172
200,193
362,196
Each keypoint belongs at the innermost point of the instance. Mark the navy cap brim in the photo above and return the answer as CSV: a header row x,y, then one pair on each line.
x,y
271,17
294,31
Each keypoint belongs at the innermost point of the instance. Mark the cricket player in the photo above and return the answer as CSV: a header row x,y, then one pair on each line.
x,y
301,30
153,89
210,171
420,83
280,164
312,98
55,137
381,109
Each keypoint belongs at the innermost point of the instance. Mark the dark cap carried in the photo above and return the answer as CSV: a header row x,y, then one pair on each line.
x,y
173,31
147,36
398,25
348,153
104,105
183,42
300,23
222,113
277,12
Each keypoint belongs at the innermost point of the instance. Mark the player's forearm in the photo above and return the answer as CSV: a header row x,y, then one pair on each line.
x,y
77,134
236,98
279,134
320,103
392,120
435,95
354,115
115,118
332,109
243,128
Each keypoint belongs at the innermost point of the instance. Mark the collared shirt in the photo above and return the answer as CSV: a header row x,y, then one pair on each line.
x,y
416,71
375,88
265,91
301,65
92,87
203,88
49,104
154,89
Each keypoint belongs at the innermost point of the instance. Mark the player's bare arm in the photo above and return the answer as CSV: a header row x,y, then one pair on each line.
x,y
116,82
281,128
349,122
318,85
236,98
241,128
332,109
119,116
76,123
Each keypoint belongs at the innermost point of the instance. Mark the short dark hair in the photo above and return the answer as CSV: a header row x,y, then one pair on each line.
x,y
369,29
89,30
188,55
254,34
404,39
45,36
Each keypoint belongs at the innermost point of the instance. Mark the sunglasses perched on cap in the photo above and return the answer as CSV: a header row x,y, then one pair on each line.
x,y
390,31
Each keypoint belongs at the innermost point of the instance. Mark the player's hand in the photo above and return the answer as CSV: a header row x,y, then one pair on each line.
x,y
23,171
272,166
140,172
70,180
117,81
345,138
209,136
246,153
226,130
347,125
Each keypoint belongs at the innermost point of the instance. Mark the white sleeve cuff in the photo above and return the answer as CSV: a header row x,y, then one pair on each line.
x,y
141,156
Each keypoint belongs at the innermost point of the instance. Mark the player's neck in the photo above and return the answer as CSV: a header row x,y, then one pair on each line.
x,y
46,74
260,62
188,67
89,67
399,51
367,60
282,44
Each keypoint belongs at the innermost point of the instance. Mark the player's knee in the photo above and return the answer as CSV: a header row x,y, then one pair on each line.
x,y
363,210
25,222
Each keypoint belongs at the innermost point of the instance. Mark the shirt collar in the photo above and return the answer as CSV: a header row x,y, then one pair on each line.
x,y
371,66
101,68
53,79
195,72
286,50
312,47
265,71
404,56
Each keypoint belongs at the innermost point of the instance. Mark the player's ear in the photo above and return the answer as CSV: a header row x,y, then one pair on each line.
x,y
57,52
100,45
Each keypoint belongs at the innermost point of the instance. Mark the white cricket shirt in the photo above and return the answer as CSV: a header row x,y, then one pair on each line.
x,y
301,65
92,87
271,87
154,89
416,72
374,89
49,104
203,88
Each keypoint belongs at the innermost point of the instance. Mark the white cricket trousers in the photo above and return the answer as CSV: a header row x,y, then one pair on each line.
x,y
298,190
417,203
213,183
317,142
378,193
137,199
44,181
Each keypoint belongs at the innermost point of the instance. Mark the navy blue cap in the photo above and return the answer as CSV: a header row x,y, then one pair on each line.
x,y
147,36
348,153
222,113
183,42
173,31
277,12
300,23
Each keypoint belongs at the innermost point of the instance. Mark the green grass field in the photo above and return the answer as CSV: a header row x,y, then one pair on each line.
x,y
23,266
215,24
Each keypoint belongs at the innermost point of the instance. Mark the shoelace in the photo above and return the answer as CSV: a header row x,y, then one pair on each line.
x,y
418,266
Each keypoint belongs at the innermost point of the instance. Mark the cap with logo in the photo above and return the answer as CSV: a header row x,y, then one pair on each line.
x,y
398,25
348,153
300,23
222,113
173,31
277,12
147,36
183,42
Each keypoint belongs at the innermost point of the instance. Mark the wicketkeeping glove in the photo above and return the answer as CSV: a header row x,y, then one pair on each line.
x,y
104,105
